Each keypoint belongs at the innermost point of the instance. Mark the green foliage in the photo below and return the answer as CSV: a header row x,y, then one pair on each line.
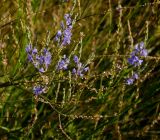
x,y
98,106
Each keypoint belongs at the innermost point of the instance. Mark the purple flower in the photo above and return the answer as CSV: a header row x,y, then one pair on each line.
x,y
134,77
34,51
65,35
80,68
86,69
42,61
29,52
138,51
79,73
134,60
41,70
74,71
38,90
76,59
30,58
129,81
47,58
141,45
58,35
144,52
68,19
29,48
63,63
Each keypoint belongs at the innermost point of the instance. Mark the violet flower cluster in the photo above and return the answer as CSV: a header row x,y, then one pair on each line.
x,y
139,50
134,60
80,68
37,90
40,61
131,80
63,63
64,35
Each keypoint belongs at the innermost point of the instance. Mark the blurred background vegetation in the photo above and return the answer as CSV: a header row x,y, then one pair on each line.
x,y
98,107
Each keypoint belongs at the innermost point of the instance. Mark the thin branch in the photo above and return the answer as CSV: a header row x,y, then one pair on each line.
x,y
61,128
